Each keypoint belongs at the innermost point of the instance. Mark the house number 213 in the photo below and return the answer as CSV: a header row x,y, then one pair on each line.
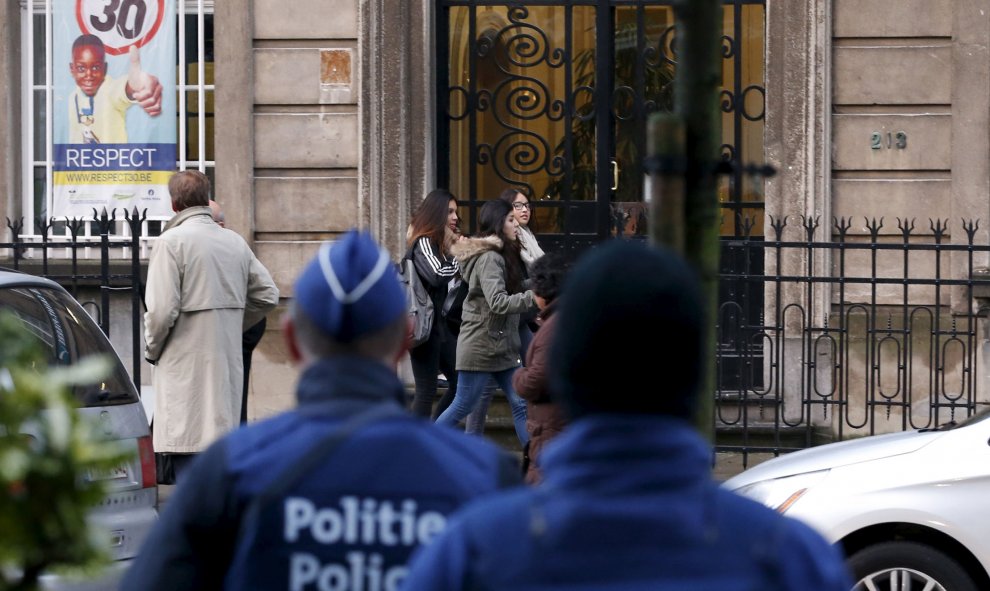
x,y
879,141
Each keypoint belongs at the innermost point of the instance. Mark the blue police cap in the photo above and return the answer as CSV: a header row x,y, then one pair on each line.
x,y
351,288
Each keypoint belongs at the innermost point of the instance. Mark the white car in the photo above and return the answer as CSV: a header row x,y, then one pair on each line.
x,y
911,510
67,333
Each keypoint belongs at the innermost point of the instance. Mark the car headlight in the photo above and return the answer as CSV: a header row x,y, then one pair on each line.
x,y
780,494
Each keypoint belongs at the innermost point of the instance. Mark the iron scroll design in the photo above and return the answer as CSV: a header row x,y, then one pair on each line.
x,y
861,332
519,99
531,97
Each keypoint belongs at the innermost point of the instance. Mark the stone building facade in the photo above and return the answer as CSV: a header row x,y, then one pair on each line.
x,y
326,118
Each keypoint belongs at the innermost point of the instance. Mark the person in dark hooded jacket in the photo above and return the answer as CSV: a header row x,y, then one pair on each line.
x,y
627,501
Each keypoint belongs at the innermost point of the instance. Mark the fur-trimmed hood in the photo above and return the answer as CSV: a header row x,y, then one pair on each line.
x,y
465,250
489,337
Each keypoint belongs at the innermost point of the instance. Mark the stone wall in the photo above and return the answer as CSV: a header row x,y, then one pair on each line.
x,y
288,145
336,133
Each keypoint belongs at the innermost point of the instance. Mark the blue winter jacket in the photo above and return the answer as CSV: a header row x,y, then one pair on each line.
x,y
349,523
627,503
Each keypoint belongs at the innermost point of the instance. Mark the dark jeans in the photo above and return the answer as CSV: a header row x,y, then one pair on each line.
x,y
436,355
249,340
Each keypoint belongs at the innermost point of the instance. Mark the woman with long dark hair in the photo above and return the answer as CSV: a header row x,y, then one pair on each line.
x,y
530,251
432,231
488,344
529,248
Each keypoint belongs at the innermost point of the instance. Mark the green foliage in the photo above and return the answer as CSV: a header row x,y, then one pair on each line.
x,y
48,451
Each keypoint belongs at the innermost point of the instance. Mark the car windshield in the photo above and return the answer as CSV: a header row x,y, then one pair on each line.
x,y
67,334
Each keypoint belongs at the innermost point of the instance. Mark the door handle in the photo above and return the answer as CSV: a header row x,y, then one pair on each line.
x,y
615,175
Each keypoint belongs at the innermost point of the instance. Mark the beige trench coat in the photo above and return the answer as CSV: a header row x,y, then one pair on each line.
x,y
205,286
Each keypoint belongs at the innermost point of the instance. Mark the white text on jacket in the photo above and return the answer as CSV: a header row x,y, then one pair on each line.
x,y
355,522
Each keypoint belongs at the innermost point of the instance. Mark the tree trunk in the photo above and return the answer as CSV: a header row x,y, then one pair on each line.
x,y
696,101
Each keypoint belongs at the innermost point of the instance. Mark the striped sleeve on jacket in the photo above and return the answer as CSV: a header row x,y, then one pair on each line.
x,y
433,267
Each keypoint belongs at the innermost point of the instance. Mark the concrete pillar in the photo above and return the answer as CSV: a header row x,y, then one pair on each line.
x,y
10,106
397,119
234,135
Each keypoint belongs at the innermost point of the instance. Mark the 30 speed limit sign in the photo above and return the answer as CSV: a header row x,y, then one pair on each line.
x,y
120,23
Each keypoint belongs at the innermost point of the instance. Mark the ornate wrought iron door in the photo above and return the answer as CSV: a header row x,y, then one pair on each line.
x,y
552,97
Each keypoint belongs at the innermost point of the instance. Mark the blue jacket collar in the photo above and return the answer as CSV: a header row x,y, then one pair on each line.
x,y
347,383
617,453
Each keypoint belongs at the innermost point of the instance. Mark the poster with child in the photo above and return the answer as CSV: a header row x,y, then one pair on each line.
x,y
114,108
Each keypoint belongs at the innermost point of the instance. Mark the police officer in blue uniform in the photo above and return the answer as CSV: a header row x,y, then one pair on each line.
x,y
627,501
337,493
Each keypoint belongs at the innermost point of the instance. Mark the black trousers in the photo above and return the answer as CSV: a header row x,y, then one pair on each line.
x,y
249,340
436,355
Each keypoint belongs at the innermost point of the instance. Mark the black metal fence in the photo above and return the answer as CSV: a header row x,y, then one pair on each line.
x,y
54,252
823,333
826,333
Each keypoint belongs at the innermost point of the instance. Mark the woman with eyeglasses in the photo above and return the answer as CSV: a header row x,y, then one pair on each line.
x,y
530,248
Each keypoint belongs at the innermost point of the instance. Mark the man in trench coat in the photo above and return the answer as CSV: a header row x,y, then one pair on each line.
x,y
205,286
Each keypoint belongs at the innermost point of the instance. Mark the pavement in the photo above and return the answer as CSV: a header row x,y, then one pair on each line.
x,y
164,492
728,465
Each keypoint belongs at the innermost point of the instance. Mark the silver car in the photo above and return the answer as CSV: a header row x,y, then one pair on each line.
x,y
68,333
911,510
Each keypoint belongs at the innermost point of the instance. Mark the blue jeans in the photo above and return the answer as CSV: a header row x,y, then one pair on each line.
x,y
470,385
475,423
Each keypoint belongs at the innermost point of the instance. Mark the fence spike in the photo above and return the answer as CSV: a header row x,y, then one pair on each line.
x,y
778,226
104,219
938,227
747,226
75,226
970,227
906,227
16,225
810,225
874,227
842,226
135,214
44,226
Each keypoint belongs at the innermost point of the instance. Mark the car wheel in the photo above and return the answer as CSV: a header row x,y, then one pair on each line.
x,y
907,565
